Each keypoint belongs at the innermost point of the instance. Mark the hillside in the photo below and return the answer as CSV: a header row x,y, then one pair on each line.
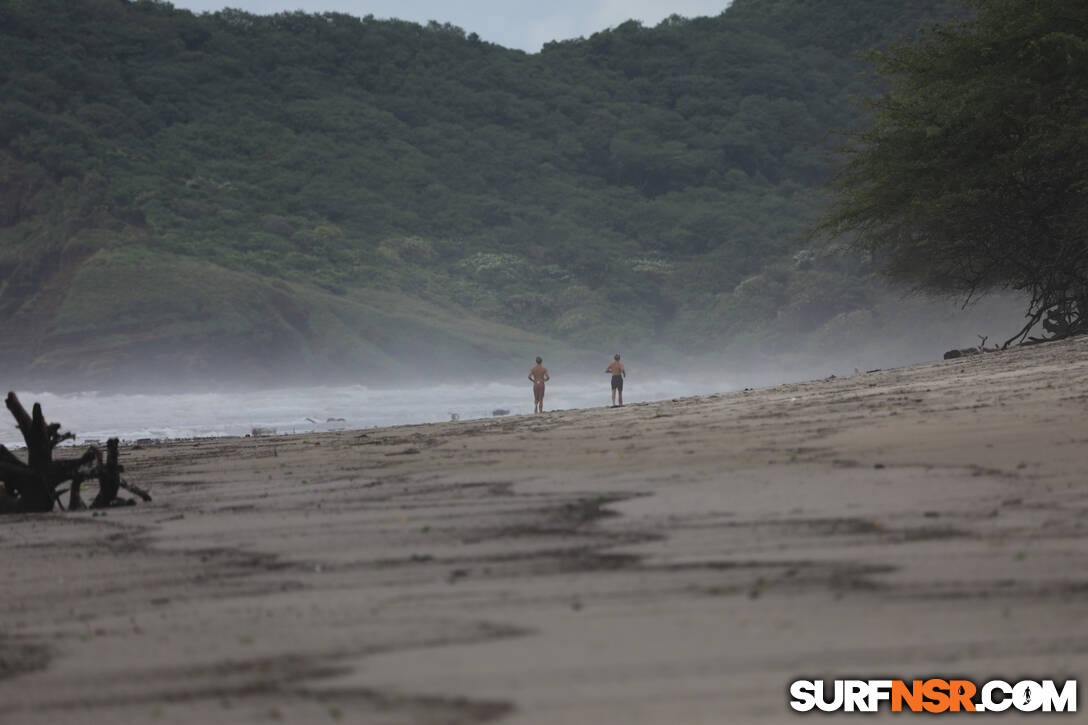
x,y
231,195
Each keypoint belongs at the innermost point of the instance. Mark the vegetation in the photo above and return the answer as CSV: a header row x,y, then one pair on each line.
x,y
339,192
974,175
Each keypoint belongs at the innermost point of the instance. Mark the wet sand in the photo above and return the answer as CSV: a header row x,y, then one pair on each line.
x,y
670,562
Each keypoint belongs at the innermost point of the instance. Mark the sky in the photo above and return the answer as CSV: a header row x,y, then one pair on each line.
x,y
524,24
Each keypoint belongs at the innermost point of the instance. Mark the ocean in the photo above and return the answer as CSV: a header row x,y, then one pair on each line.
x,y
133,417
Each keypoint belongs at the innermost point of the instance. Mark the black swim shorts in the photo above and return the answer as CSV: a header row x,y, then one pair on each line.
x,y
617,382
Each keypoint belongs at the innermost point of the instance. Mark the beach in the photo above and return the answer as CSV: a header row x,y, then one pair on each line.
x,y
680,561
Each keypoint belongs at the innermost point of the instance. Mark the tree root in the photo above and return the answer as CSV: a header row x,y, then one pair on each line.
x,y
32,486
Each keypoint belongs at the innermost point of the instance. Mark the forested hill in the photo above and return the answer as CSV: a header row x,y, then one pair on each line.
x,y
228,194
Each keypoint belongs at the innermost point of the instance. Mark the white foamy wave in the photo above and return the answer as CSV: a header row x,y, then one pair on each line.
x,y
132,417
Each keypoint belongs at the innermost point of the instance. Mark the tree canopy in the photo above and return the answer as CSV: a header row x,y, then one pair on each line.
x,y
974,173
266,185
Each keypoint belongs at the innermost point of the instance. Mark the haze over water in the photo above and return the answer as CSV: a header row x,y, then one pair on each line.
x,y
131,417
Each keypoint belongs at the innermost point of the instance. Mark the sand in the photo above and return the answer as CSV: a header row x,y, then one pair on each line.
x,y
670,562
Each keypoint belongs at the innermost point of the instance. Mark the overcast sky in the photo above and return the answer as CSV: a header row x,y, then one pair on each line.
x,y
525,24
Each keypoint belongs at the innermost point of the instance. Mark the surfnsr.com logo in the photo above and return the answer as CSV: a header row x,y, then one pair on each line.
x,y
934,695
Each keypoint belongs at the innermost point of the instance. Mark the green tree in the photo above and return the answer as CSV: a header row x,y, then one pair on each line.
x,y
644,174
974,175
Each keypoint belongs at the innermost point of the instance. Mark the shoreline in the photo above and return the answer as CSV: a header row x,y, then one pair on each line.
x,y
671,561
198,416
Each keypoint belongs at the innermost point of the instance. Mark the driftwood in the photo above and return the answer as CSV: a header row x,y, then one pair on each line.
x,y
31,486
109,483
965,351
1062,314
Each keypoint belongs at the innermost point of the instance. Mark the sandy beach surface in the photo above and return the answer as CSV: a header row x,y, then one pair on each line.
x,y
670,562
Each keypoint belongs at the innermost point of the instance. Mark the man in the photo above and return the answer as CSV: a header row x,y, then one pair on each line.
x,y
618,374
539,376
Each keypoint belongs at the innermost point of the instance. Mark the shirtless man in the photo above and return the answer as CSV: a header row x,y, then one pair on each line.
x,y
539,376
618,374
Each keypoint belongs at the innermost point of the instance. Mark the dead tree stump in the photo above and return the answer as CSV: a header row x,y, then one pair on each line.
x,y
32,486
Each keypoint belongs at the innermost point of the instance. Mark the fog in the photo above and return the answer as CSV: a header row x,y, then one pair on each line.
x,y
910,330
904,330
